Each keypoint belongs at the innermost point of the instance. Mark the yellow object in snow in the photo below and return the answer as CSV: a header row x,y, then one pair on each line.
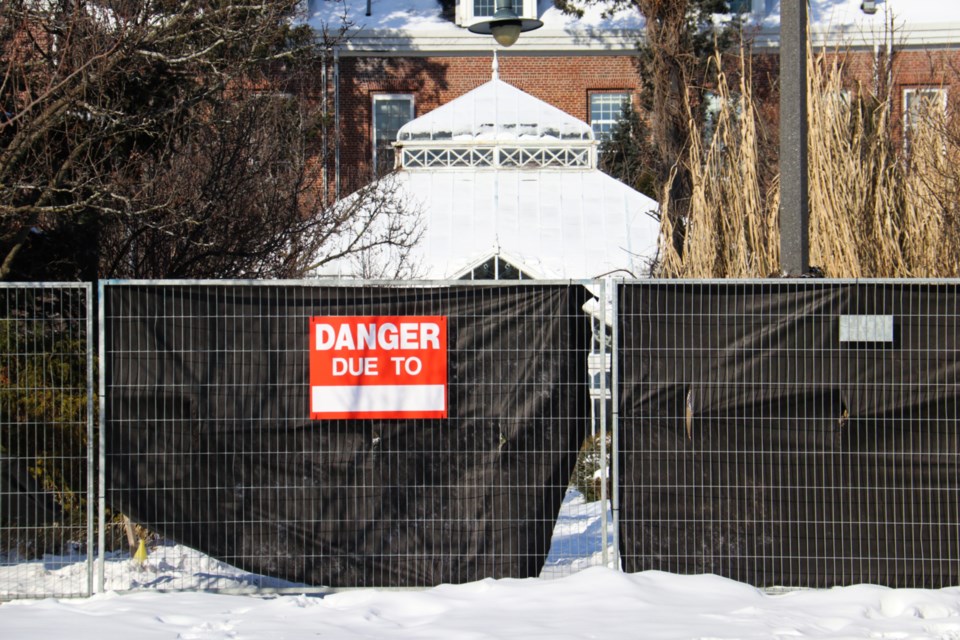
x,y
141,555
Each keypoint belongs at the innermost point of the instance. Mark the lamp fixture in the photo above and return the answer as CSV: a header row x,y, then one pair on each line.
x,y
869,7
505,25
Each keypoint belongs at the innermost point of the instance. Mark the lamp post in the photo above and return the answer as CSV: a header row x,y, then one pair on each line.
x,y
505,25
794,198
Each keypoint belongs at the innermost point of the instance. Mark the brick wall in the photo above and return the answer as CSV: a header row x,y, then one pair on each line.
x,y
566,82
911,68
908,69
936,69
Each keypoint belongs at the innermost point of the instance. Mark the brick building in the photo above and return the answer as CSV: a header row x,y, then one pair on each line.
x,y
402,60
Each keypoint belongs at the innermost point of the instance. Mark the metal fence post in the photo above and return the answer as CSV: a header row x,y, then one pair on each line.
x,y
604,352
615,422
101,473
91,436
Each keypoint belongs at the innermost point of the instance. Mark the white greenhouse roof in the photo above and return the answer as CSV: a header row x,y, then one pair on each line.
x,y
568,224
495,111
557,224
549,219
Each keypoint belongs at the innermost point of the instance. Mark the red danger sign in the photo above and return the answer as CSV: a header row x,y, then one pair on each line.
x,y
378,367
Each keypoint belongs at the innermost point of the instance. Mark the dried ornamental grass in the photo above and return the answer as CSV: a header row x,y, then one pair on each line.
x,y
875,210
730,231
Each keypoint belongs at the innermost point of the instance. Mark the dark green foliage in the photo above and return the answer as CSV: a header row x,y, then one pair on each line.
x,y
697,35
568,8
625,155
586,477
448,8
43,421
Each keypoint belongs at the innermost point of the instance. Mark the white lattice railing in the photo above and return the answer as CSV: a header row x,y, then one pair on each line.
x,y
513,157
545,157
448,157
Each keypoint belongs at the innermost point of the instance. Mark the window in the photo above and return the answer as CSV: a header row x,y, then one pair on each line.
x,y
923,108
471,11
544,157
446,157
922,104
390,112
485,8
606,110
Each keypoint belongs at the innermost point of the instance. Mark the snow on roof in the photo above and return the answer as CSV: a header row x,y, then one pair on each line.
x,y
843,22
419,24
495,111
825,14
553,224
424,15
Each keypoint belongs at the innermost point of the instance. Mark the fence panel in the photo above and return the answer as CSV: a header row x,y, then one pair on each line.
x,y
791,433
229,440
782,433
46,440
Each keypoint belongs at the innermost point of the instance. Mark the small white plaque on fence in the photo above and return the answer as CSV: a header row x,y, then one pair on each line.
x,y
866,328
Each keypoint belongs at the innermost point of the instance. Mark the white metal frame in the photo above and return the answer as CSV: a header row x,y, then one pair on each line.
x,y
930,93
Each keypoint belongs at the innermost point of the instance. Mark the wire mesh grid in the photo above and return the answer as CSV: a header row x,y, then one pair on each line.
x,y
46,441
782,433
791,433
219,457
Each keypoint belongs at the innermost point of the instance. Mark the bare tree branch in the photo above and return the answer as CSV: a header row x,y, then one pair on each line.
x,y
178,139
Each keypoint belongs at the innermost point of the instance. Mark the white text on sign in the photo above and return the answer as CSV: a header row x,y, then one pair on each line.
x,y
387,336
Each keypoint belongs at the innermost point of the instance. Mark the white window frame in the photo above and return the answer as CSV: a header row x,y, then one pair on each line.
x,y
937,93
386,97
626,96
466,11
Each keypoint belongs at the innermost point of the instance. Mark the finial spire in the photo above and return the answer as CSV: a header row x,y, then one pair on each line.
x,y
496,66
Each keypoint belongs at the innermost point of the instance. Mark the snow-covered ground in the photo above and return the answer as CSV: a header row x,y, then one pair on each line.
x,y
576,545
595,602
